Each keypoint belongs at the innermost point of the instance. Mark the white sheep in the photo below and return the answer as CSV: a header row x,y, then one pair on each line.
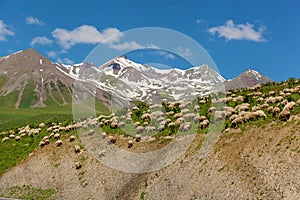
x,y
58,143
161,127
51,135
72,138
56,136
211,109
42,143
289,106
130,143
137,124
78,165
145,116
185,111
139,129
196,108
121,125
103,135
189,116
138,137
256,108
5,139
260,113
219,115
91,132
42,125
77,148
150,129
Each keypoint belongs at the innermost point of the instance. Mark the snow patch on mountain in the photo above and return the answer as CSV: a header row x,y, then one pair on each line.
x,y
134,81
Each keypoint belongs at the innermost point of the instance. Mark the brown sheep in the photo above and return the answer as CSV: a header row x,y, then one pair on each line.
x,y
238,120
185,126
111,139
270,109
204,124
114,125
256,108
177,115
284,115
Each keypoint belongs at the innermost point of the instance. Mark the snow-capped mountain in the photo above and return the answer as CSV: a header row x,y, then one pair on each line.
x,y
134,81
247,79
47,83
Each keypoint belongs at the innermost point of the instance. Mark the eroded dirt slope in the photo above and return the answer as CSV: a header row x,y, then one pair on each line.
x,y
252,163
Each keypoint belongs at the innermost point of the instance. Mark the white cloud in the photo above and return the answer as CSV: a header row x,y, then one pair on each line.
x,y
232,31
52,54
126,46
40,40
34,21
130,46
65,61
4,31
86,34
184,52
165,54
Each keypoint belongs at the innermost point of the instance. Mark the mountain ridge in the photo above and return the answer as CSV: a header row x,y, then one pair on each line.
x,y
120,77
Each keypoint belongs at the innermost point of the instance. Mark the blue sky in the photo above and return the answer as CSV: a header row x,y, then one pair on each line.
x,y
238,35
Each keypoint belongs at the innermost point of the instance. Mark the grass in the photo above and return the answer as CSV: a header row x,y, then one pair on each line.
x,y
29,98
12,152
27,192
12,117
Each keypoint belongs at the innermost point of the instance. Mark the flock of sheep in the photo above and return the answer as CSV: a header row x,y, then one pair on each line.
x,y
274,104
179,116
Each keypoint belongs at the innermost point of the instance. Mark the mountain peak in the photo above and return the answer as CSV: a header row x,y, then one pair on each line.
x,y
246,79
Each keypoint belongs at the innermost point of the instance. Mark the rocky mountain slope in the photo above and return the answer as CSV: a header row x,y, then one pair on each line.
x,y
46,83
248,78
30,79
